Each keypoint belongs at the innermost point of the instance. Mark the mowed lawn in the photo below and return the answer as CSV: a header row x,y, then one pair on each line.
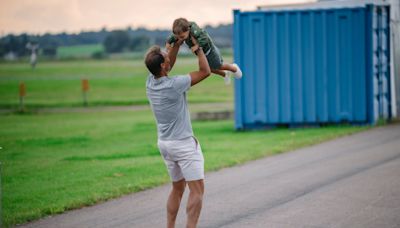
x,y
55,162
78,51
112,82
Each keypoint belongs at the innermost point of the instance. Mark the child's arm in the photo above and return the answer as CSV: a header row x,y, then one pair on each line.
x,y
171,39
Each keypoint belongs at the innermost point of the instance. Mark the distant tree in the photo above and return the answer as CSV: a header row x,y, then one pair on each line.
x,y
159,41
50,51
113,41
14,44
48,40
117,41
23,40
11,44
2,47
140,43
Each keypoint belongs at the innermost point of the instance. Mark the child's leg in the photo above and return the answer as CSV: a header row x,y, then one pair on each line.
x,y
222,73
219,72
229,67
234,68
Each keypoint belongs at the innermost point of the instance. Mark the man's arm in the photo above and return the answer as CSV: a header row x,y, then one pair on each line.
x,y
204,69
173,51
171,39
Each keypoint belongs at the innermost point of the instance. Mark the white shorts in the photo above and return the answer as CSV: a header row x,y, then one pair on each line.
x,y
183,158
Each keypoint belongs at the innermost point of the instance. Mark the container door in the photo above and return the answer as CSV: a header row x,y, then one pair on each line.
x,y
381,67
251,50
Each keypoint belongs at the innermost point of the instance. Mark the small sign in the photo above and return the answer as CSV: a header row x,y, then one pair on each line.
x,y
22,89
85,85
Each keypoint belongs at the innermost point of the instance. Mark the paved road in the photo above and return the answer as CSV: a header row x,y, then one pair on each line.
x,y
349,182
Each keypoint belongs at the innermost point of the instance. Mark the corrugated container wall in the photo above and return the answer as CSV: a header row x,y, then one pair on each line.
x,y
395,38
312,66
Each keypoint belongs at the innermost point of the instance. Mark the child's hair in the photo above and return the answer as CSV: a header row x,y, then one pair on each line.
x,y
180,25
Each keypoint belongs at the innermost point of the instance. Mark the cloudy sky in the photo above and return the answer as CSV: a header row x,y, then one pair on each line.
x,y
40,16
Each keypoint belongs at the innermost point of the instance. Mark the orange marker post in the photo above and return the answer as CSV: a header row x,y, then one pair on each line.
x,y
22,94
85,89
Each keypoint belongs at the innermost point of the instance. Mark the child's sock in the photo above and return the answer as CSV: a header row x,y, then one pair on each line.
x,y
227,77
238,73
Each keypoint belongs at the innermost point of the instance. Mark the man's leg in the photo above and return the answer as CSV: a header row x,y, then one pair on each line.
x,y
195,202
174,200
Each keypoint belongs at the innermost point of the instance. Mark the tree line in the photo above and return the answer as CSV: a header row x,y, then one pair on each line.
x,y
114,41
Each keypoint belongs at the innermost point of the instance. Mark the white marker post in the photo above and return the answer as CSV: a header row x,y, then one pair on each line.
x,y
33,48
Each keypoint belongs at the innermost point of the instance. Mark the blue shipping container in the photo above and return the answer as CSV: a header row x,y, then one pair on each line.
x,y
312,66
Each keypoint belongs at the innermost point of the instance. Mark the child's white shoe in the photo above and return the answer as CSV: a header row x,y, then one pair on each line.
x,y
227,78
238,73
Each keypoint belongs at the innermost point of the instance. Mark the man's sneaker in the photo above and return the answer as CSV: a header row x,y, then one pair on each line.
x,y
238,73
227,78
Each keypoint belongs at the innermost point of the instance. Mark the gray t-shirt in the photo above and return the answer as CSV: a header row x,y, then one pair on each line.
x,y
167,97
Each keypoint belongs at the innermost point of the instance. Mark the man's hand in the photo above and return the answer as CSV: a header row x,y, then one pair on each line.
x,y
204,69
168,47
179,42
194,41
195,46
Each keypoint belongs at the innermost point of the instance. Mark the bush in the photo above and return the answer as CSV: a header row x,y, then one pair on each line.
x,y
99,55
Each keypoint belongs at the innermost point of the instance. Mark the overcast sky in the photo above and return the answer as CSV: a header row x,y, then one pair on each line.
x,y
40,16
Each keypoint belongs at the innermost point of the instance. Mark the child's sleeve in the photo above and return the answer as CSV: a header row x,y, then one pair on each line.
x,y
200,35
171,39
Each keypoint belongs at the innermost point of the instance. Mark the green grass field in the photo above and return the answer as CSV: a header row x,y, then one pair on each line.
x,y
55,162
78,51
112,82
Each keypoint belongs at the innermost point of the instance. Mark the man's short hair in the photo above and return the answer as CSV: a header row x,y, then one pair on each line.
x,y
153,60
180,25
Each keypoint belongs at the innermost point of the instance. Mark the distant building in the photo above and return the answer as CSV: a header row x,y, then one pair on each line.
x,y
11,56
